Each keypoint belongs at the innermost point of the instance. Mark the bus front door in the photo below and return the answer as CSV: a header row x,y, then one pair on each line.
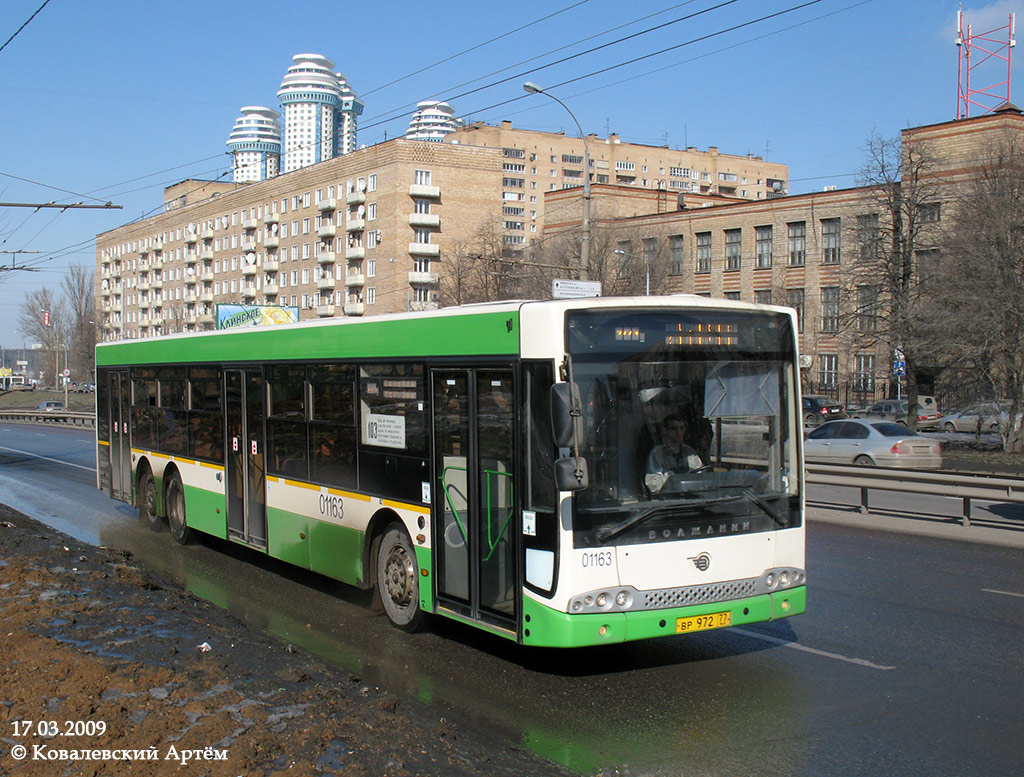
x,y
246,476
120,439
473,493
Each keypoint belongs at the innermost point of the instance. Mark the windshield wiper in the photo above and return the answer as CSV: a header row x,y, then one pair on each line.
x,y
611,532
768,509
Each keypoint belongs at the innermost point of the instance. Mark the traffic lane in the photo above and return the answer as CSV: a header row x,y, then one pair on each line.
x,y
75,447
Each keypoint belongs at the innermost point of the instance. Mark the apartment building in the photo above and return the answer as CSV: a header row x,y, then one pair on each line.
x,y
359,234
537,162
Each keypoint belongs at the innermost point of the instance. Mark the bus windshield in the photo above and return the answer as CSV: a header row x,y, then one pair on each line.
x,y
688,430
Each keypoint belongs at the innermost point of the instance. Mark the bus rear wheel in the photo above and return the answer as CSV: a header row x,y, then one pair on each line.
x,y
147,501
176,511
398,580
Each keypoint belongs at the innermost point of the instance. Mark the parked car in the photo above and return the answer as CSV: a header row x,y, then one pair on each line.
x,y
871,444
983,416
52,405
818,410
895,411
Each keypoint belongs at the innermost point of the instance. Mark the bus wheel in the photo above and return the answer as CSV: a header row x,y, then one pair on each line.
x,y
397,579
147,501
176,511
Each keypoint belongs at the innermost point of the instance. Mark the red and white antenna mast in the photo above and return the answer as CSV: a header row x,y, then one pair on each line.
x,y
974,51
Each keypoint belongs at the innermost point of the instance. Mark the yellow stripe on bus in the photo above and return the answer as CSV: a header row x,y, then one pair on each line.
x,y
103,442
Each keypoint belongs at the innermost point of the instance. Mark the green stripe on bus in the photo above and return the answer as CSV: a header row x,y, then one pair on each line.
x,y
476,334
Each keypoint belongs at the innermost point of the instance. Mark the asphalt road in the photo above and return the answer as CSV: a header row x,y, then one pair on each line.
x,y
908,661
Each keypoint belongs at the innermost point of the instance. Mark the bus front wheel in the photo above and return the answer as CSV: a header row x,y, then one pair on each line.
x,y
176,511
397,579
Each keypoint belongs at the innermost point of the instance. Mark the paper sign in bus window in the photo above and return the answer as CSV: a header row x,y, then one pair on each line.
x,y
386,431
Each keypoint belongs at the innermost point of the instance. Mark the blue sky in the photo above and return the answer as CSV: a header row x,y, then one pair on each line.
x,y
116,100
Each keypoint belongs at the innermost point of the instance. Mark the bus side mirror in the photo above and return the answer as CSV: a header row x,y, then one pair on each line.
x,y
571,473
566,415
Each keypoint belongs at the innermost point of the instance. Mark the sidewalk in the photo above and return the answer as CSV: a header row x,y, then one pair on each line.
x,y
985,529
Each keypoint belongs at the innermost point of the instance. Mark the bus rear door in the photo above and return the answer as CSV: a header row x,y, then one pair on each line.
x,y
473,493
246,477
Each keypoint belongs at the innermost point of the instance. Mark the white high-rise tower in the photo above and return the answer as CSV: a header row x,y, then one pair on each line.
x,y
433,121
320,110
255,144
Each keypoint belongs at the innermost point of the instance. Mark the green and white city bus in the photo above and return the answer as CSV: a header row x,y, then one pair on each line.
x,y
486,463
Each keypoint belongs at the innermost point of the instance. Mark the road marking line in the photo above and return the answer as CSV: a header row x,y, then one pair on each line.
x,y
815,651
47,458
1004,593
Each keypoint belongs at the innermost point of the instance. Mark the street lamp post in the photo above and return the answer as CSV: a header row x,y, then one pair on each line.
x,y
532,88
647,269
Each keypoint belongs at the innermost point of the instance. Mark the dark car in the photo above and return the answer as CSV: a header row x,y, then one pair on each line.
x,y
818,410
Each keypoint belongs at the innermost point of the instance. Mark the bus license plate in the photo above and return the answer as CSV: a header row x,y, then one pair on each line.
x,y
714,620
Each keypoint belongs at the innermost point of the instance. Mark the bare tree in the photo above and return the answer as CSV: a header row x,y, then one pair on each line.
x,y
978,282
43,320
886,300
80,301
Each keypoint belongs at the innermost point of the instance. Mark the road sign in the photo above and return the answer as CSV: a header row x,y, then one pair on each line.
x,y
66,373
899,368
565,289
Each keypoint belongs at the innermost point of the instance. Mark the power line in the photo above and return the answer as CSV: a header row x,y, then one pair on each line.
x,y
22,27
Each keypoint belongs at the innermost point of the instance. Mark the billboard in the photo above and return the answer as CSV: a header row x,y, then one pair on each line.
x,y
234,316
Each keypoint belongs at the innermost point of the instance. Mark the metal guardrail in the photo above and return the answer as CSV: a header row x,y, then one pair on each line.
x,y
968,487
59,417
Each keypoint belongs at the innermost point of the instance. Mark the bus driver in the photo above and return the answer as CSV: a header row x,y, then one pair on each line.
x,y
673,456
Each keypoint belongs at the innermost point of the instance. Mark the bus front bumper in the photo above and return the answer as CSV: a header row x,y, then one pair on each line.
x,y
546,627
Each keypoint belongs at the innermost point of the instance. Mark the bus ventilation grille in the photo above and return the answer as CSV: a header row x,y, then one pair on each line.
x,y
699,594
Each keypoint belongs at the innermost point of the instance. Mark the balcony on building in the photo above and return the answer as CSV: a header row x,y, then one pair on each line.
x,y
249,269
272,218
206,234
325,311
206,276
271,265
190,299
424,190
328,204
432,220
157,263
356,225
158,245
357,279
191,257
248,292
156,284
423,278
327,230
354,308
206,296
355,198
249,245
206,318
250,224
206,254
325,284
327,257
191,238
106,260
355,252
424,249
144,286
271,242
106,292
270,289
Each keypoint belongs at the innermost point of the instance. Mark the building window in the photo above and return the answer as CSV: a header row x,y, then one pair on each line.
x,y
867,308
864,373
420,205
797,243
795,299
733,249
763,296
931,212
703,252
763,239
828,371
867,237
734,295
422,177
830,232
830,309
421,264
676,245
421,235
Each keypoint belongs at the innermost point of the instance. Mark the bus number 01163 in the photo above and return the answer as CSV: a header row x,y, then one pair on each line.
x,y
597,558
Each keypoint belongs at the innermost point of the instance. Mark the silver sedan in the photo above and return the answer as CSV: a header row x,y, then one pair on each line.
x,y
871,444
983,417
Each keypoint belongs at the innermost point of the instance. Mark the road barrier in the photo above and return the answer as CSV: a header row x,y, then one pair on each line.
x,y
957,485
59,417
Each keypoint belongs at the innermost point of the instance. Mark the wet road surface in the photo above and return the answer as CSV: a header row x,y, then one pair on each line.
x,y
900,665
